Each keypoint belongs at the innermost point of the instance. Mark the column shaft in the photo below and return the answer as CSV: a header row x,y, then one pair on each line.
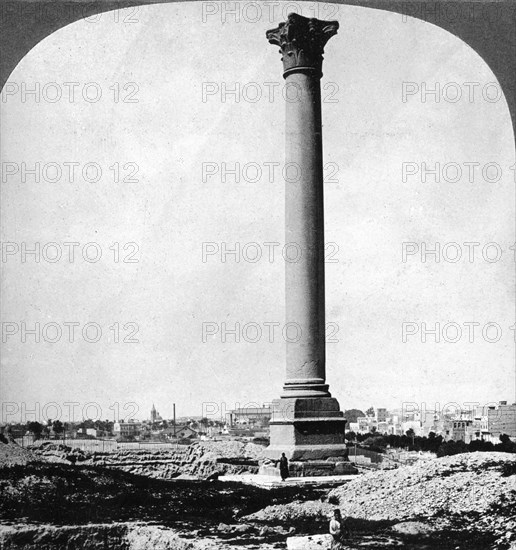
x,y
304,212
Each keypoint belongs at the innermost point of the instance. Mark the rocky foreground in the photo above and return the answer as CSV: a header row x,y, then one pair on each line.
x,y
474,493
115,536
140,500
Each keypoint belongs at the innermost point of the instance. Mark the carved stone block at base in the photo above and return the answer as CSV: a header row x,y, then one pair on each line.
x,y
306,452
306,429
312,468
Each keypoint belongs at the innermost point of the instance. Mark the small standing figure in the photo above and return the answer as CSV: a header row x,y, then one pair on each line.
x,y
338,531
283,467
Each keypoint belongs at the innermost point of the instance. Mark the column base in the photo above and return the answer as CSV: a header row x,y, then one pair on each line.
x,y
305,388
306,428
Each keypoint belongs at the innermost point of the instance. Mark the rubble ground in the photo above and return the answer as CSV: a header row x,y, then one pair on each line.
x,y
465,502
473,494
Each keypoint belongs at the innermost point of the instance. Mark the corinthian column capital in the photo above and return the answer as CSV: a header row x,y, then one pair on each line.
x,y
302,42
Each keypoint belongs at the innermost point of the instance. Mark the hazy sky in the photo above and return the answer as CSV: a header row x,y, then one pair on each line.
x,y
156,124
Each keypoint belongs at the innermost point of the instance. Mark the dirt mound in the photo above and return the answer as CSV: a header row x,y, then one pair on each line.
x,y
12,454
475,492
471,493
293,513
470,482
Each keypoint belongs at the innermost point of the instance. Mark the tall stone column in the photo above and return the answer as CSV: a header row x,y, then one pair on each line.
x,y
306,421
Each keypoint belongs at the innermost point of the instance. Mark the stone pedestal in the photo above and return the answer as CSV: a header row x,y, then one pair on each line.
x,y
306,429
306,422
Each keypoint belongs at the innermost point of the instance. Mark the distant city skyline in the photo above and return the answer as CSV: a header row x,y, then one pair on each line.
x,y
485,425
215,411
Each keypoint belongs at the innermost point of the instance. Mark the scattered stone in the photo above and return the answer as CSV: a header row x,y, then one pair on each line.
x,y
266,531
313,542
293,512
238,528
412,528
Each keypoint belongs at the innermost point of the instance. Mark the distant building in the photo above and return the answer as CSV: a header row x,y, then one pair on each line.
x,y
16,431
181,431
71,432
353,427
364,424
249,416
485,423
462,430
393,429
186,432
467,414
383,427
501,419
125,429
381,415
155,416
480,426
431,423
